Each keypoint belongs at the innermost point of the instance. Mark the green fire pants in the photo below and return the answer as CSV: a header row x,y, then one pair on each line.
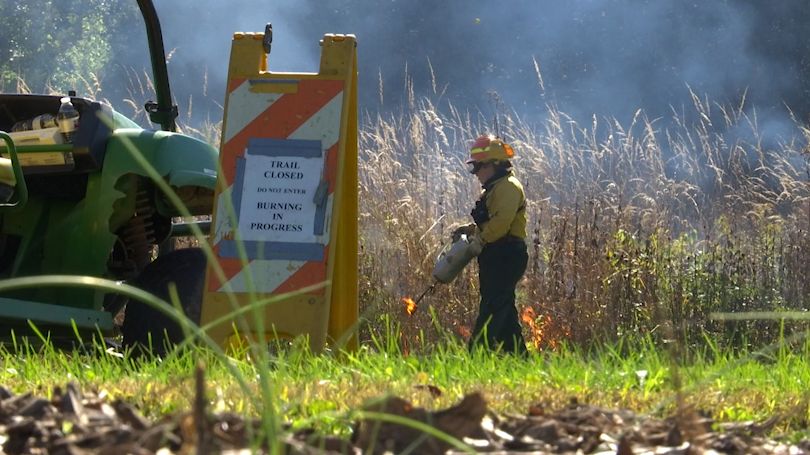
x,y
501,265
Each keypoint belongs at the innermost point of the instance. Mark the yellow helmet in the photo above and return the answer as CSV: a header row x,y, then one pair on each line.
x,y
490,148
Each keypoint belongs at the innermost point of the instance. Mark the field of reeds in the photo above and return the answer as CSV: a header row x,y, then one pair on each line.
x,y
654,227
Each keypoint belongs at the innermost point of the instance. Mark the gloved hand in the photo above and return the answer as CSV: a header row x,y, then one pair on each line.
x,y
476,244
467,229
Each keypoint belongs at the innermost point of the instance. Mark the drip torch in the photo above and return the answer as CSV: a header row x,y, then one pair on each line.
x,y
450,262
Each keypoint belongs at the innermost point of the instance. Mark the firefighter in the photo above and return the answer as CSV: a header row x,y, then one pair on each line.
x,y
500,225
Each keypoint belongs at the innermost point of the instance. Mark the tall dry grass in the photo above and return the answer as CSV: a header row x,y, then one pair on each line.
x,y
644,228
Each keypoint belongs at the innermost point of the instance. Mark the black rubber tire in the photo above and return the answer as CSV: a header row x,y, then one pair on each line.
x,y
146,329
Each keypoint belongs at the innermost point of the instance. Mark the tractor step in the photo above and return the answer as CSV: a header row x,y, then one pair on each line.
x,y
15,312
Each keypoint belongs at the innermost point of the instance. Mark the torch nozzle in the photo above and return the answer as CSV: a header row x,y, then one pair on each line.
x,y
411,305
427,291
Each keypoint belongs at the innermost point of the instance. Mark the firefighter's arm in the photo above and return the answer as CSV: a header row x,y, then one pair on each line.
x,y
502,205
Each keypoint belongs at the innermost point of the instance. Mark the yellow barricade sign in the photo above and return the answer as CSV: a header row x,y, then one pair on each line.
x,y
284,229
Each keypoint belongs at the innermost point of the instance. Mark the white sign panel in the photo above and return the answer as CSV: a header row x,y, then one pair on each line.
x,y
277,193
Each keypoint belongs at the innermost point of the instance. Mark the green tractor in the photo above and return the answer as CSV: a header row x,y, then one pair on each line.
x,y
82,203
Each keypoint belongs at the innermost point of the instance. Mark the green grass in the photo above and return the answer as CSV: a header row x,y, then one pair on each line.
x,y
322,390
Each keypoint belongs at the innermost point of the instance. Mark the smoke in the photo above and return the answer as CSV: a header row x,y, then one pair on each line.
x,y
603,57
197,36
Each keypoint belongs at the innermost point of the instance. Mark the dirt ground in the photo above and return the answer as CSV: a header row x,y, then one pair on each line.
x,y
73,423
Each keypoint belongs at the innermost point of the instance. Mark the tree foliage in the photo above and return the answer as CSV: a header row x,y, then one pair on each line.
x,y
58,45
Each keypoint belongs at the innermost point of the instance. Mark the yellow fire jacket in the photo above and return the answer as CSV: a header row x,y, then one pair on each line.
x,y
506,207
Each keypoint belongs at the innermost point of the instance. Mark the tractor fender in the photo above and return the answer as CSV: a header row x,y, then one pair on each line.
x,y
182,160
88,232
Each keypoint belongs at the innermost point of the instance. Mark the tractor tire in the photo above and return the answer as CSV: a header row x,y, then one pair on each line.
x,y
147,330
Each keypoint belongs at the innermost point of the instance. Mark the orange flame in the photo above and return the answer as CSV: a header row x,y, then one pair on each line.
x,y
544,331
464,331
528,316
410,305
